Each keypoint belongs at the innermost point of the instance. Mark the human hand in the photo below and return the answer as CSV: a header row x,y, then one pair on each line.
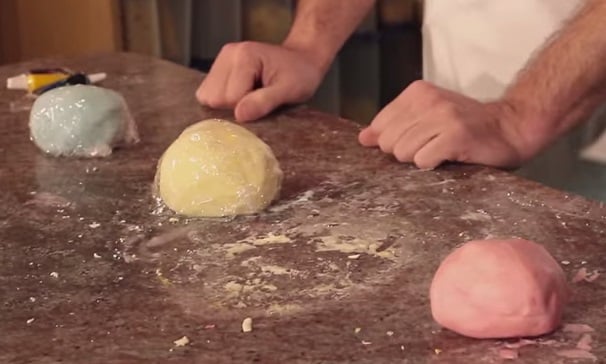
x,y
256,78
429,125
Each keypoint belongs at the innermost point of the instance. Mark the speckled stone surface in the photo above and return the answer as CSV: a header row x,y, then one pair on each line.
x,y
94,270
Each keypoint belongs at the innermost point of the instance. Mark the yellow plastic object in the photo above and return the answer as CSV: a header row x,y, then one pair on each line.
x,y
35,80
217,168
42,80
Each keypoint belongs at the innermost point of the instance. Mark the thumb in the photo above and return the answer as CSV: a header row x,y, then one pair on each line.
x,y
259,103
368,137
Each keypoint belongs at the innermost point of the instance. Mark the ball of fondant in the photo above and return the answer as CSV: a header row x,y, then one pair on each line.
x,y
499,289
81,121
217,168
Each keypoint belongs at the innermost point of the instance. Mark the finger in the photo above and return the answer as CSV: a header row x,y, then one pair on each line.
x,y
260,102
387,114
437,151
241,81
394,131
411,141
212,90
368,137
393,112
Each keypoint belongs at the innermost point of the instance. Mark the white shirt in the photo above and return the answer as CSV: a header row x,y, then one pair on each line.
x,y
476,47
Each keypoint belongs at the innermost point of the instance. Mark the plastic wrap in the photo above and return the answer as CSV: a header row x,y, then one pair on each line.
x,y
217,168
81,121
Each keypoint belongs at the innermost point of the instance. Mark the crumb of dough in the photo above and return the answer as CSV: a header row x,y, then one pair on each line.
x,y
576,354
508,353
247,325
182,341
578,328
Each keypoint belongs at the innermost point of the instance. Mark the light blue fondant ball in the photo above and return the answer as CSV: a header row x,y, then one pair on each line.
x,y
80,120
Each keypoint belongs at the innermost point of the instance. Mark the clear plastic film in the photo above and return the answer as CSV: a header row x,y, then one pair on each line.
x,y
81,121
217,168
22,104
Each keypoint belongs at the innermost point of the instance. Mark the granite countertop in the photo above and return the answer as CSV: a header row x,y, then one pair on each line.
x,y
94,270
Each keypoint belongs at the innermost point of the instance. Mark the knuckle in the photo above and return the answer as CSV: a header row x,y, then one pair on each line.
x,y
237,50
418,85
228,48
244,54
243,48
422,90
247,44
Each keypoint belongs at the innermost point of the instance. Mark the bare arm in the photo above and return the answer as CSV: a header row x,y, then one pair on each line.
x,y
322,26
564,83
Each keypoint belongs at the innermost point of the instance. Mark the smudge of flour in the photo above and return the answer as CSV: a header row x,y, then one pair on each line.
x,y
277,270
241,246
285,309
270,238
478,215
248,287
233,249
348,246
441,182
46,199
302,198
284,263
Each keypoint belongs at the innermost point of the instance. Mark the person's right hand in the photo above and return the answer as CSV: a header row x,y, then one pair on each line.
x,y
256,78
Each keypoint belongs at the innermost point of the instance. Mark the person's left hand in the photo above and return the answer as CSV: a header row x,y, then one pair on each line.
x,y
429,125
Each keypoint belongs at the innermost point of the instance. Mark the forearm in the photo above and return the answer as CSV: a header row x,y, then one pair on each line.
x,y
322,26
564,83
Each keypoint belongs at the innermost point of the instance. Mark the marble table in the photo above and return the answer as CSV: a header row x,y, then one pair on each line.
x,y
94,270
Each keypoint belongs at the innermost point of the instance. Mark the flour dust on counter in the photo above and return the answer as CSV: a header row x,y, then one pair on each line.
x,y
248,262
